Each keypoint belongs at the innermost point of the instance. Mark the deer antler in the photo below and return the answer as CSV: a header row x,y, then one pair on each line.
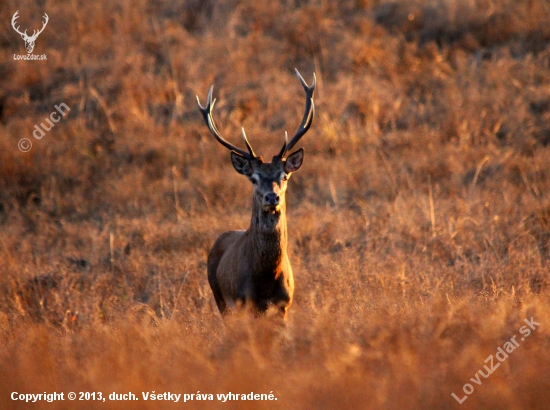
x,y
37,32
13,21
207,115
308,116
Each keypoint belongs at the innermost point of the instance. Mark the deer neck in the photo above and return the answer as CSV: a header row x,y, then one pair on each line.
x,y
268,234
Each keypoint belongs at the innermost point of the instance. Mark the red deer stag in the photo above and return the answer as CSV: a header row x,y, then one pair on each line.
x,y
251,267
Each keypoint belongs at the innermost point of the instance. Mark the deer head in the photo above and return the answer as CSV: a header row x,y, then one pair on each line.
x,y
268,179
29,41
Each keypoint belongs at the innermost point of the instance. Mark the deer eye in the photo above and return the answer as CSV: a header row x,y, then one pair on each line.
x,y
254,180
285,177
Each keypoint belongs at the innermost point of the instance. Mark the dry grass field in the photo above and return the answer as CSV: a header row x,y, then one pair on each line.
x,y
419,224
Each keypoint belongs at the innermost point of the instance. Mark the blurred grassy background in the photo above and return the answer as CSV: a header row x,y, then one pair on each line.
x,y
419,224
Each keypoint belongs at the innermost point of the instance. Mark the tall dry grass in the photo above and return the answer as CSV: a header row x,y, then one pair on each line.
x,y
419,224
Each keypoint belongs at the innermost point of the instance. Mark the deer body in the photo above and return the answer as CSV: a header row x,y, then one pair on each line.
x,y
251,267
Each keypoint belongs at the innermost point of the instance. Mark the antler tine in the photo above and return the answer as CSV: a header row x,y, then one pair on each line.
x,y
283,149
308,114
248,146
209,119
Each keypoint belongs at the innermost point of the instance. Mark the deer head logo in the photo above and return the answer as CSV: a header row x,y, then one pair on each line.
x,y
29,40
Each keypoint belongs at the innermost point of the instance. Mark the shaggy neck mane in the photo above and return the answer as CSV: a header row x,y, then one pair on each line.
x,y
269,239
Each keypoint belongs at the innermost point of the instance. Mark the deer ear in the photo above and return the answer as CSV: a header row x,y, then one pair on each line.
x,y
241,164
294,161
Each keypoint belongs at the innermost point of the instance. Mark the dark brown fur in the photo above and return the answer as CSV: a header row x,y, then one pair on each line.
x,y
252,267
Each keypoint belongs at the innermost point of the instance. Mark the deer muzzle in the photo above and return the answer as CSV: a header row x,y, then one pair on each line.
x,y
271,201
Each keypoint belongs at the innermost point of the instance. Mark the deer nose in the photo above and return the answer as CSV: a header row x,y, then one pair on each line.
x,y
272,199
